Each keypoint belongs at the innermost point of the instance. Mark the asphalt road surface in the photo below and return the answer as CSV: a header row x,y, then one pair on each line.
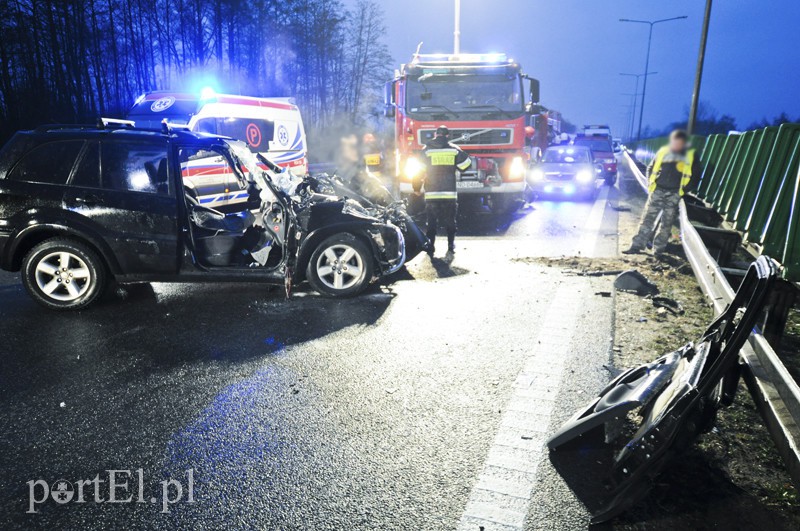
x,y
423,404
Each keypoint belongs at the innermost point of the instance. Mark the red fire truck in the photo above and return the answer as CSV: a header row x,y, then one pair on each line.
x,y
480,97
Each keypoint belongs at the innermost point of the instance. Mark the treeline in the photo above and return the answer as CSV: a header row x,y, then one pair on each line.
x,y
710,122
72,60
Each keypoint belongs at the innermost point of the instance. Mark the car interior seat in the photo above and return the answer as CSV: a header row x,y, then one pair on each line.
x,y
218,238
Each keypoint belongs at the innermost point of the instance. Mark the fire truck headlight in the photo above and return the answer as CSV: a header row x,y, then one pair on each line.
x,y
584,176
537,175
413,168
517,169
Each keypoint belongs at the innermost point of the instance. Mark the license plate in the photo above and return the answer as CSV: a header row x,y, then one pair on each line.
x,y
373,160
469,184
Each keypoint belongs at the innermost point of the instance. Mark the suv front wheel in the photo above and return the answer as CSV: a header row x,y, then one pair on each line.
x,y
340,267
63,274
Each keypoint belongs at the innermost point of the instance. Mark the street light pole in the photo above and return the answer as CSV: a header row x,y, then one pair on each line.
x,y
457,31
629,116
636,95
701,59
651,23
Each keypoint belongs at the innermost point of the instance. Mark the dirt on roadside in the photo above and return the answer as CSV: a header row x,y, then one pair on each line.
x,y
733,478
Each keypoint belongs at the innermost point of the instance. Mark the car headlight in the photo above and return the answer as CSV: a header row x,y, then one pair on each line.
x,y
517,169
537,175
413,168
584,176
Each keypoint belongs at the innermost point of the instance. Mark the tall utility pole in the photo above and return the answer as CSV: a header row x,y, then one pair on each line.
x,y
651,23
631,109
636,95
457,32
701,59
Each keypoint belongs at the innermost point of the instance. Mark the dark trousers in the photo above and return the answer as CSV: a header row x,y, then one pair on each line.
x,y
441,212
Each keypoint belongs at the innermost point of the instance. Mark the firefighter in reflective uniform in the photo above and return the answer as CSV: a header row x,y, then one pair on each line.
x,y
674,171
442,160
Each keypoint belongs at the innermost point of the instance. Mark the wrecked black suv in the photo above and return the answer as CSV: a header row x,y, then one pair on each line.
x,y
82,206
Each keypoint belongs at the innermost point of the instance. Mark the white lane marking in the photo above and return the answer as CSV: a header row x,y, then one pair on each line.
x,y
501,497
588,242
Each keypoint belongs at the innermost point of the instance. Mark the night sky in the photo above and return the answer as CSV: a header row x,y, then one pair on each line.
x,y
578,47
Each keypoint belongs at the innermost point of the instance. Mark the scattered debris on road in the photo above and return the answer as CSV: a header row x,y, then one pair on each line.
x,y
668,305
653,412
634,282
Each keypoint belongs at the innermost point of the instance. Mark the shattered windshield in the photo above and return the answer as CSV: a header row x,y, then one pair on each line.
x,y
457,94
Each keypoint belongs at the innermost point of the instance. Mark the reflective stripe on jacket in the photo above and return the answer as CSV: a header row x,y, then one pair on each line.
x,y
443,160
441,195
684,167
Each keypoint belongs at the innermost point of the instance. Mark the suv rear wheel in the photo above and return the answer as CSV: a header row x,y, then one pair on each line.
x,y
340,267
63,274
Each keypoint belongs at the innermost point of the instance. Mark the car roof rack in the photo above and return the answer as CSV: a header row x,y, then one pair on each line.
x,y
63,127
108,123
167,127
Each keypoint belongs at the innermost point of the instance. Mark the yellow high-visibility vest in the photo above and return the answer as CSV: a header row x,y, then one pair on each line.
x,y
684,167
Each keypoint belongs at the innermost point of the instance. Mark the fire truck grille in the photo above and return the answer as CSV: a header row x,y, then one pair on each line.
x,y
473,137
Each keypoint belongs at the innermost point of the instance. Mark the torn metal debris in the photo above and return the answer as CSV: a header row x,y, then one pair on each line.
x,y
650,413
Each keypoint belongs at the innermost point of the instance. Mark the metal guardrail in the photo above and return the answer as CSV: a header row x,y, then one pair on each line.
x,y
774,391
752,180
640,177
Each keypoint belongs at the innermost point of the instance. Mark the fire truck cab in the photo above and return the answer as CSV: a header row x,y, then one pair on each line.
x,y
481,99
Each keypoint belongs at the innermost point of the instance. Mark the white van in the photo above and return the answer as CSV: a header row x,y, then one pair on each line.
x,y
270,126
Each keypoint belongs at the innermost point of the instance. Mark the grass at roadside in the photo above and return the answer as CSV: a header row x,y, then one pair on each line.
x,y
733,478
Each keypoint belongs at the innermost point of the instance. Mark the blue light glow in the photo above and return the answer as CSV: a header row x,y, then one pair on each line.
x,y
208,93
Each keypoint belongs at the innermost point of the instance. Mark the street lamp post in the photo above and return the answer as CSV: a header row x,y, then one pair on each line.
x,y
631,110
651,23
701,58
457,30
636,95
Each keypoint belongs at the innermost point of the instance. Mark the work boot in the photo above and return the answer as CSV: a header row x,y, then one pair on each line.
x,y
633,250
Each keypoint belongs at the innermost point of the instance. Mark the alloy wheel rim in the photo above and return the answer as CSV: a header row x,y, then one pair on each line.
x,y
63,276
340,267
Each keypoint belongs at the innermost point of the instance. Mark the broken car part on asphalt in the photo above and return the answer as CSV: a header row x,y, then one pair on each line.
x,y
635,282
650,413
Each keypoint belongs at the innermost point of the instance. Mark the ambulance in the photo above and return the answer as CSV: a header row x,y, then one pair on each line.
x,y
270,126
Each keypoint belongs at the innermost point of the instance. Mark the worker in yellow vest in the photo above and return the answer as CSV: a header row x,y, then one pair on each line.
x,y
674,171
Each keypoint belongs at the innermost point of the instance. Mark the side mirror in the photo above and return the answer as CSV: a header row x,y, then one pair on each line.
x,y
534,90
389,103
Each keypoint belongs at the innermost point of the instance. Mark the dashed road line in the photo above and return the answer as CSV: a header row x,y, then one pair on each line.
x,y
501,497
588,242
